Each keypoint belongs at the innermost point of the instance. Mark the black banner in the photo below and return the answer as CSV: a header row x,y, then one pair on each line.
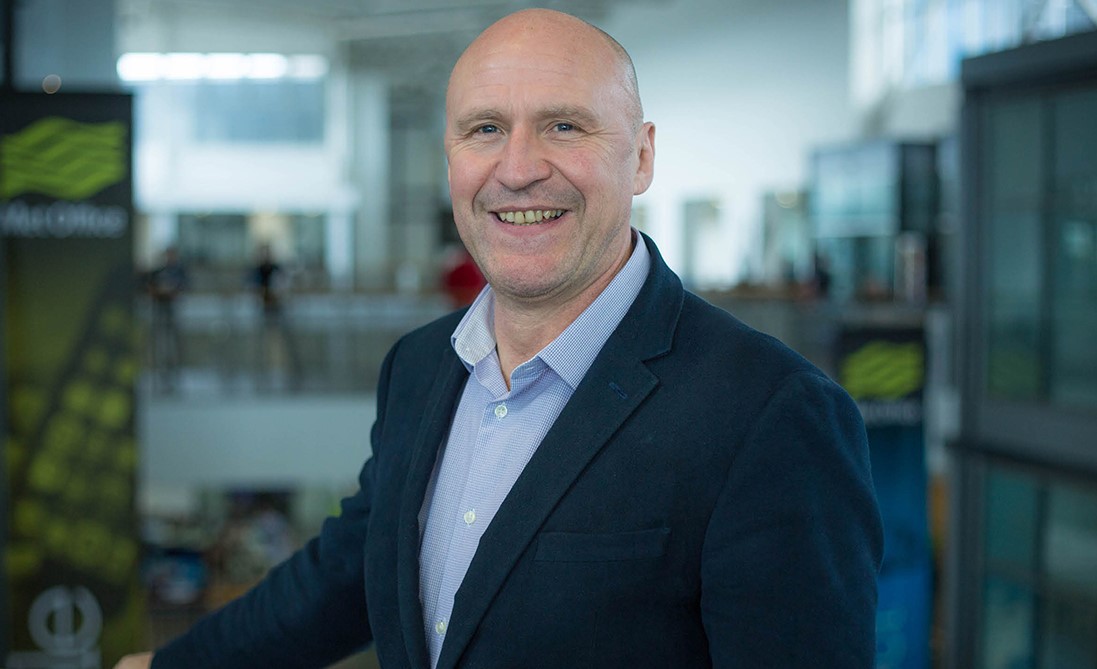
x,y
884,370
66,213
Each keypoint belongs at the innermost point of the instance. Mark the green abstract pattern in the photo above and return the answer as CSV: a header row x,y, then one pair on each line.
x,y
62,158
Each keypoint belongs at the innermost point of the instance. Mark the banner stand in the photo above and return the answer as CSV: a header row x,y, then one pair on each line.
x,y
69,368
5,503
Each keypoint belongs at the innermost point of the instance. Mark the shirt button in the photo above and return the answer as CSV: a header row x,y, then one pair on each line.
x,y
470,516
500,410
440,627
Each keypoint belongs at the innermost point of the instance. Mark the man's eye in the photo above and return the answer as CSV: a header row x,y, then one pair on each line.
x,y
563,127
487,129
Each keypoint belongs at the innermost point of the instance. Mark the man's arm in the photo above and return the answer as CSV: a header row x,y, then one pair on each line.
x,y
793,547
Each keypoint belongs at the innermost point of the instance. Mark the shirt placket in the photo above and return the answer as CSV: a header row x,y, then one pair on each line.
x,y
476,508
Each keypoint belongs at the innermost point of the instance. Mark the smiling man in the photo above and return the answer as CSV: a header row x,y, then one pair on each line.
x,y
546,146
588,467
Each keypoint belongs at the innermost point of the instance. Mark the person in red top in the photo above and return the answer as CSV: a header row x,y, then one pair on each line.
x,y
461,279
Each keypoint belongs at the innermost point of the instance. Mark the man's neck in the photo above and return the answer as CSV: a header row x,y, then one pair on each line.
x,y
524,327
521,332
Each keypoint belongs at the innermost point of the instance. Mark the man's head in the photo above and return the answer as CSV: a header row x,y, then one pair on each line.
x,y
546,146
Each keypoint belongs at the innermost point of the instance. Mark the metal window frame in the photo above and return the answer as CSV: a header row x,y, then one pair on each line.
x,y
1057,439
1053,434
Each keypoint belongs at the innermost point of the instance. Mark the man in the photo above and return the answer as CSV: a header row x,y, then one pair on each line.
x,y
590,467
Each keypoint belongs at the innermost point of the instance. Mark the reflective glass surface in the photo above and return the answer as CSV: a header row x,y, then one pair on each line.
x,y
1039,605
1070,542
1069,636
1012,522
1040,224
1073,364
1014,177
1008,615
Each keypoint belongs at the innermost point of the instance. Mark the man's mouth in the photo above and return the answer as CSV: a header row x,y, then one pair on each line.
x,y
528,217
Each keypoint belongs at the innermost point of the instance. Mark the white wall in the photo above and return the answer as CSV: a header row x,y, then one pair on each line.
x,y
740,92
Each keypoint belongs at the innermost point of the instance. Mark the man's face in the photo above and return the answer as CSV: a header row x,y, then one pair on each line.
x,y
544,158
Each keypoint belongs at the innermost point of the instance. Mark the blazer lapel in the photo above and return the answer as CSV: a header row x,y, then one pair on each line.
x,y
615,385
436,421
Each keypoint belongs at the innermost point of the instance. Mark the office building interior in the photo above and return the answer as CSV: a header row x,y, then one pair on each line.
x,y
904,191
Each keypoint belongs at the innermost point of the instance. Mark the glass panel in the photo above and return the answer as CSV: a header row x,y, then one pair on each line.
x,y
1070,543
1008,617
875,262
919,187
1013,177
855,190
1012,521
1074,211
839,257
259,111
1040,597
913,43
277,111
215,249
217,239
1069,636
309,240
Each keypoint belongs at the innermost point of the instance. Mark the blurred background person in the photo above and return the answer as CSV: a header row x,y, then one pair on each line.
x,y
278,363
165,284
461,278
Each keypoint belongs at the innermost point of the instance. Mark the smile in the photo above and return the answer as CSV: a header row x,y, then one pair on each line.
x,y
530,217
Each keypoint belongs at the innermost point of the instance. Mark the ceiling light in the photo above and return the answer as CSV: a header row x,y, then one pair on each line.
x,y
144,67
267,66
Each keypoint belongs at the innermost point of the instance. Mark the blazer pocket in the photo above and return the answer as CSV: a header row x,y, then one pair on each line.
x,y
603,547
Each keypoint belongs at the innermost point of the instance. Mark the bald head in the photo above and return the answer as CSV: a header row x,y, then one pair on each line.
x,y
540,30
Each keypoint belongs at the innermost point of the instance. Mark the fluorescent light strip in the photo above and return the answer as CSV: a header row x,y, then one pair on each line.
x,y
144,67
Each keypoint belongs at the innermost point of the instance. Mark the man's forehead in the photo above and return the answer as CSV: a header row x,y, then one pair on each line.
x,y
500,70
507,72
537,56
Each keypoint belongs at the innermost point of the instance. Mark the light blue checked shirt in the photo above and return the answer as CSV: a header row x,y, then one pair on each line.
x,y
496,431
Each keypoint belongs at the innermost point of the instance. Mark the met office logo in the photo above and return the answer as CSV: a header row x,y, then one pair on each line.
x,y
66,624
61,219
67,162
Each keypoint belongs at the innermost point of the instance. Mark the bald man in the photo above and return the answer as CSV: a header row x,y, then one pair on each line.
x,y
589,466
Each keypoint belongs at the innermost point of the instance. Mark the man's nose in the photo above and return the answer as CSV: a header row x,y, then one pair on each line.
x,y
523,162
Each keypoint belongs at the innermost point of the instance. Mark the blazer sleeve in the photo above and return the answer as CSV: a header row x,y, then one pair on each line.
x,y
309,611
793,547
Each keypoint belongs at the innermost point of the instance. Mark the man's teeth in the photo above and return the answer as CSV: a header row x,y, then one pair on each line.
x,y
529,217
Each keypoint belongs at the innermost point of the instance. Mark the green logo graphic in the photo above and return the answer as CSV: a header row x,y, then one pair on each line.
x,y
62,158
884,370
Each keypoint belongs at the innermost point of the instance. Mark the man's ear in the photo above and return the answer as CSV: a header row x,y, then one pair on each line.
x,y
645,170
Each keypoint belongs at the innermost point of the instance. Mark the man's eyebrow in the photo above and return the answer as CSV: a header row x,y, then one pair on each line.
x,y
581,115
477,117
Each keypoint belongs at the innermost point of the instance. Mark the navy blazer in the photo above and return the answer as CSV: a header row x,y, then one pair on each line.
x,y
704,500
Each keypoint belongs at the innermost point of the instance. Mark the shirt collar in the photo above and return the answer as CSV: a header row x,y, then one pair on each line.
x,y
573,351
